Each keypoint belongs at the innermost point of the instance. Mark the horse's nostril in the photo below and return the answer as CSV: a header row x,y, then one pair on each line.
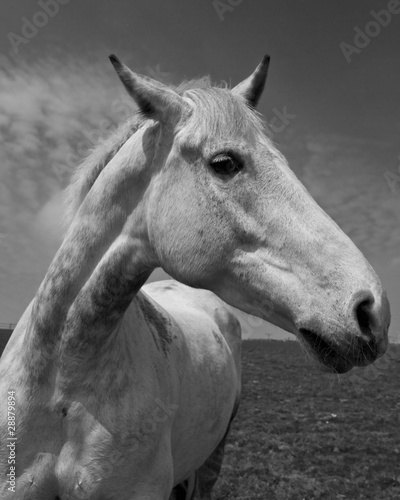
x,y
364,317
370,345
371,313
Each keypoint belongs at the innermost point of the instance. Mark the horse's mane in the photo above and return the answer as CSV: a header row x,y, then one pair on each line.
x,y
90,168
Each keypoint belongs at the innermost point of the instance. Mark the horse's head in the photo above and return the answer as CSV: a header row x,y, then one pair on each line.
x,y
225,212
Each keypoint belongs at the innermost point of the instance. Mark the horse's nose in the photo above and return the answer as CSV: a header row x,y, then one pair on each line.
x,y
372,315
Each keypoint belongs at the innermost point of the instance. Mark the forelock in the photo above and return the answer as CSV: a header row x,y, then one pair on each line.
x,y
218,112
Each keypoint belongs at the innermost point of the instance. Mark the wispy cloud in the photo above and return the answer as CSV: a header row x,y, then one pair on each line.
x,y
51,113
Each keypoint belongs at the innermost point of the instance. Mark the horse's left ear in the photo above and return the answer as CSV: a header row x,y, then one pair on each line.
x,y
155,100
252,88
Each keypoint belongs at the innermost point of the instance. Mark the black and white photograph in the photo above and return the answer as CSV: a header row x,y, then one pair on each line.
x,y
199,250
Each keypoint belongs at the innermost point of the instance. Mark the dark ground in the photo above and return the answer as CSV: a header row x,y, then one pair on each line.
x,y
301,434
304,435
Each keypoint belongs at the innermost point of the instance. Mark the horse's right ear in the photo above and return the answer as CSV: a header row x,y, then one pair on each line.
x,y
155,100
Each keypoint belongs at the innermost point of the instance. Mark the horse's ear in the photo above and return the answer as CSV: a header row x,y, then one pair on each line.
x,y
154,99
252,88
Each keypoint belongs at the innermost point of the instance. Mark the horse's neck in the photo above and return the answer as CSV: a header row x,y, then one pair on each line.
x,y
97,271
89,285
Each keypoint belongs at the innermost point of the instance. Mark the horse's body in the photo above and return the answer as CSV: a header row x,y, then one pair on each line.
x,y
135,417
121,394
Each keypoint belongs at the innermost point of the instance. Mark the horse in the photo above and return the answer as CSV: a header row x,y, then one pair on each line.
x,y
113,389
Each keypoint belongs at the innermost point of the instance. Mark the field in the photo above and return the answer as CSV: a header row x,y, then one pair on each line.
x,y
301,434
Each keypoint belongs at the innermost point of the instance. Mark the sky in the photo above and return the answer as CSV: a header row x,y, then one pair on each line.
x,y
334,74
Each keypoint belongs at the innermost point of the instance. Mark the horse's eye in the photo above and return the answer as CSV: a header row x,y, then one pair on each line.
x,y
225,165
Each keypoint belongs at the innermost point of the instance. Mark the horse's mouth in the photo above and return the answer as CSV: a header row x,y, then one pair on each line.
x,y
325,353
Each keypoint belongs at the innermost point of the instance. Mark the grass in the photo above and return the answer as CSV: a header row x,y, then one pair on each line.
x,y
301,434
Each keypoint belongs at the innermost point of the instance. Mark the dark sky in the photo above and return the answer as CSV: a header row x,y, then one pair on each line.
x,y
341,139
309,73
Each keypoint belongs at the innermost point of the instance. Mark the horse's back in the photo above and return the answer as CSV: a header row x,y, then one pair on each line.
x,y
195,310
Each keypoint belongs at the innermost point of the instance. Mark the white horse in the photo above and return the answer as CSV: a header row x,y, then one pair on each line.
x,y
121,393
